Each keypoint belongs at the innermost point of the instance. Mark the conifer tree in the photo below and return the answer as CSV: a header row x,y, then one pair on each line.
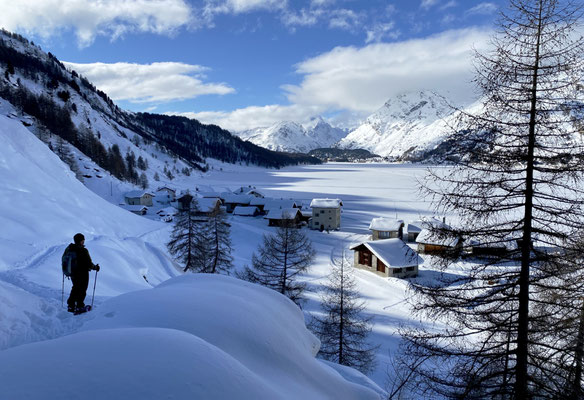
x,y
343,330
217,242
281,258
517,188
185,243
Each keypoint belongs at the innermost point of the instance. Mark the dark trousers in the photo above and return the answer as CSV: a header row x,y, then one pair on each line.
x,y
78,291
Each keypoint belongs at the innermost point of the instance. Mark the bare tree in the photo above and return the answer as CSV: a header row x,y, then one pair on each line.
x,y
280,259
517,189
186,242
343,330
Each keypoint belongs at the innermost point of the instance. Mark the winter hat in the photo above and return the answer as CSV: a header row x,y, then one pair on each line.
x,y
78,238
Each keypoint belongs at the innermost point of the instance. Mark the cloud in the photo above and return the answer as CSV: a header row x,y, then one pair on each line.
x,y
427,4
362,79
90,18
214,7
381,31
147,83
482,8
358,80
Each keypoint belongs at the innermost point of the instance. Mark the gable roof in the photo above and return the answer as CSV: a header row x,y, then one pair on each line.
x,y
245,211
426,236
272,204
137,193
282,213
394,253
326,203
207,204
386,224
238,198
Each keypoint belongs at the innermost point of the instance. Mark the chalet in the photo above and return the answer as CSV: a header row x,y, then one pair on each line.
x,y
387,258
431,240
139,198
256,193
184,201
244,211
136,209
258,202
305,215
490,246
275,204
208,206
233,200
169,191
386,228
414,228
326,213
283,217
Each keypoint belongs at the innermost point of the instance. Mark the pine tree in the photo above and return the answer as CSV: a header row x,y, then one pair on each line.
x,y
279,261
516,188
343,330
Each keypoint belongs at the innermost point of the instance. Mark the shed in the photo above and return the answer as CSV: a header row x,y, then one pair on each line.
x,y
139,198
386,228
136,209
431,241
387,258
244,211
233,200
414,228
286,216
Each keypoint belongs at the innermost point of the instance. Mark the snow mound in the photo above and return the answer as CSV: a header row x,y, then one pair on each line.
x,y
251,326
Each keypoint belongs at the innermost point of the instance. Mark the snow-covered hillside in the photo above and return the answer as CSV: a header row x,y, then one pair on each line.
x,y
292,137
410,122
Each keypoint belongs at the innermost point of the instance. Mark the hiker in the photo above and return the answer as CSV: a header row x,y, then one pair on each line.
x,y
79,274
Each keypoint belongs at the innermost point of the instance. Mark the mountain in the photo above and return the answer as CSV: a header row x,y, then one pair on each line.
x,y
292,137
88,131
406,127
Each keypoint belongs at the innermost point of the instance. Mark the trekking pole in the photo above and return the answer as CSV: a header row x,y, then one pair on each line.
x,y
62,290
94,282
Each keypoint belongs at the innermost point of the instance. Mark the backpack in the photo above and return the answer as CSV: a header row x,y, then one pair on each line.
x,y
68,261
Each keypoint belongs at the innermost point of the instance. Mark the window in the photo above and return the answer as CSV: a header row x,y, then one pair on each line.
x,y
384,235
410,268
322,211
397,270
365,258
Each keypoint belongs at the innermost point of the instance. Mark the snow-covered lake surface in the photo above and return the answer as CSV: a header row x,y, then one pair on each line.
x,y
42,205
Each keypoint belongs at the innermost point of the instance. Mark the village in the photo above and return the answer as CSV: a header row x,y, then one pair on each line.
x,y
392,251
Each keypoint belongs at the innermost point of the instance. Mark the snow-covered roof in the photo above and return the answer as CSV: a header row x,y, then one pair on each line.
x,y
255,193
426,236
245,211
138,193
326,203
272,204
166,189
207,204
237,198
133,207
282,213
415,226
167,211
386,224
258,201
394,253
209,194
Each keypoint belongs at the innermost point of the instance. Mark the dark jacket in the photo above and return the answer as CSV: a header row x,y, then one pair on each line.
x,y
83,261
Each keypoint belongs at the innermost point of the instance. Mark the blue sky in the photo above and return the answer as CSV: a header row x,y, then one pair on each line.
x,y
249,63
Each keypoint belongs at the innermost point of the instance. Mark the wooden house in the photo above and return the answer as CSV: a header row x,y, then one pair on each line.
x,y
208,206
169,191
326,214
249,211
136,209
387,258
386,228
432,240
283,217
414,228
233,200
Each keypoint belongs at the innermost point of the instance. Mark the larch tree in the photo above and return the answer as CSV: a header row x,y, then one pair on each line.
x,y
217,243
281,258
343,330
186,244
517,190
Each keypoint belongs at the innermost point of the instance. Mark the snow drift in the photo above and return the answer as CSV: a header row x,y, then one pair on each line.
x,y
194,336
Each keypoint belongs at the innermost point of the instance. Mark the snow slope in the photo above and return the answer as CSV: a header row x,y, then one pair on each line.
x,y
404,124
195,336
292,137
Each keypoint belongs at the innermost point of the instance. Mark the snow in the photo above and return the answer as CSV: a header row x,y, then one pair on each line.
x,y
385,224
245,211
282,213
326,203
393,252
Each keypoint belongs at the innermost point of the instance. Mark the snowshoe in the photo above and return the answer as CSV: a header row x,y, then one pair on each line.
x,y
82,310
71,309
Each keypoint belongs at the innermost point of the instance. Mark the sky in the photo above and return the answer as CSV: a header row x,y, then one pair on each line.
x,y
243,64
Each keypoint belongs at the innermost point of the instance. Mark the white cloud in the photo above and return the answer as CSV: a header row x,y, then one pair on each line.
x,y
214,7
482,8
427,4
356,81
381,31
345,19
146,83
362,79
89,18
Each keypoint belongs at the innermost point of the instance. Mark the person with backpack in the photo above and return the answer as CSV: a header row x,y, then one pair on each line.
x,y
76,264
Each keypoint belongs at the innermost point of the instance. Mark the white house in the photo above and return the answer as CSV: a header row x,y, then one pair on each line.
x,y
386,228
139,198
387,258
326,213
